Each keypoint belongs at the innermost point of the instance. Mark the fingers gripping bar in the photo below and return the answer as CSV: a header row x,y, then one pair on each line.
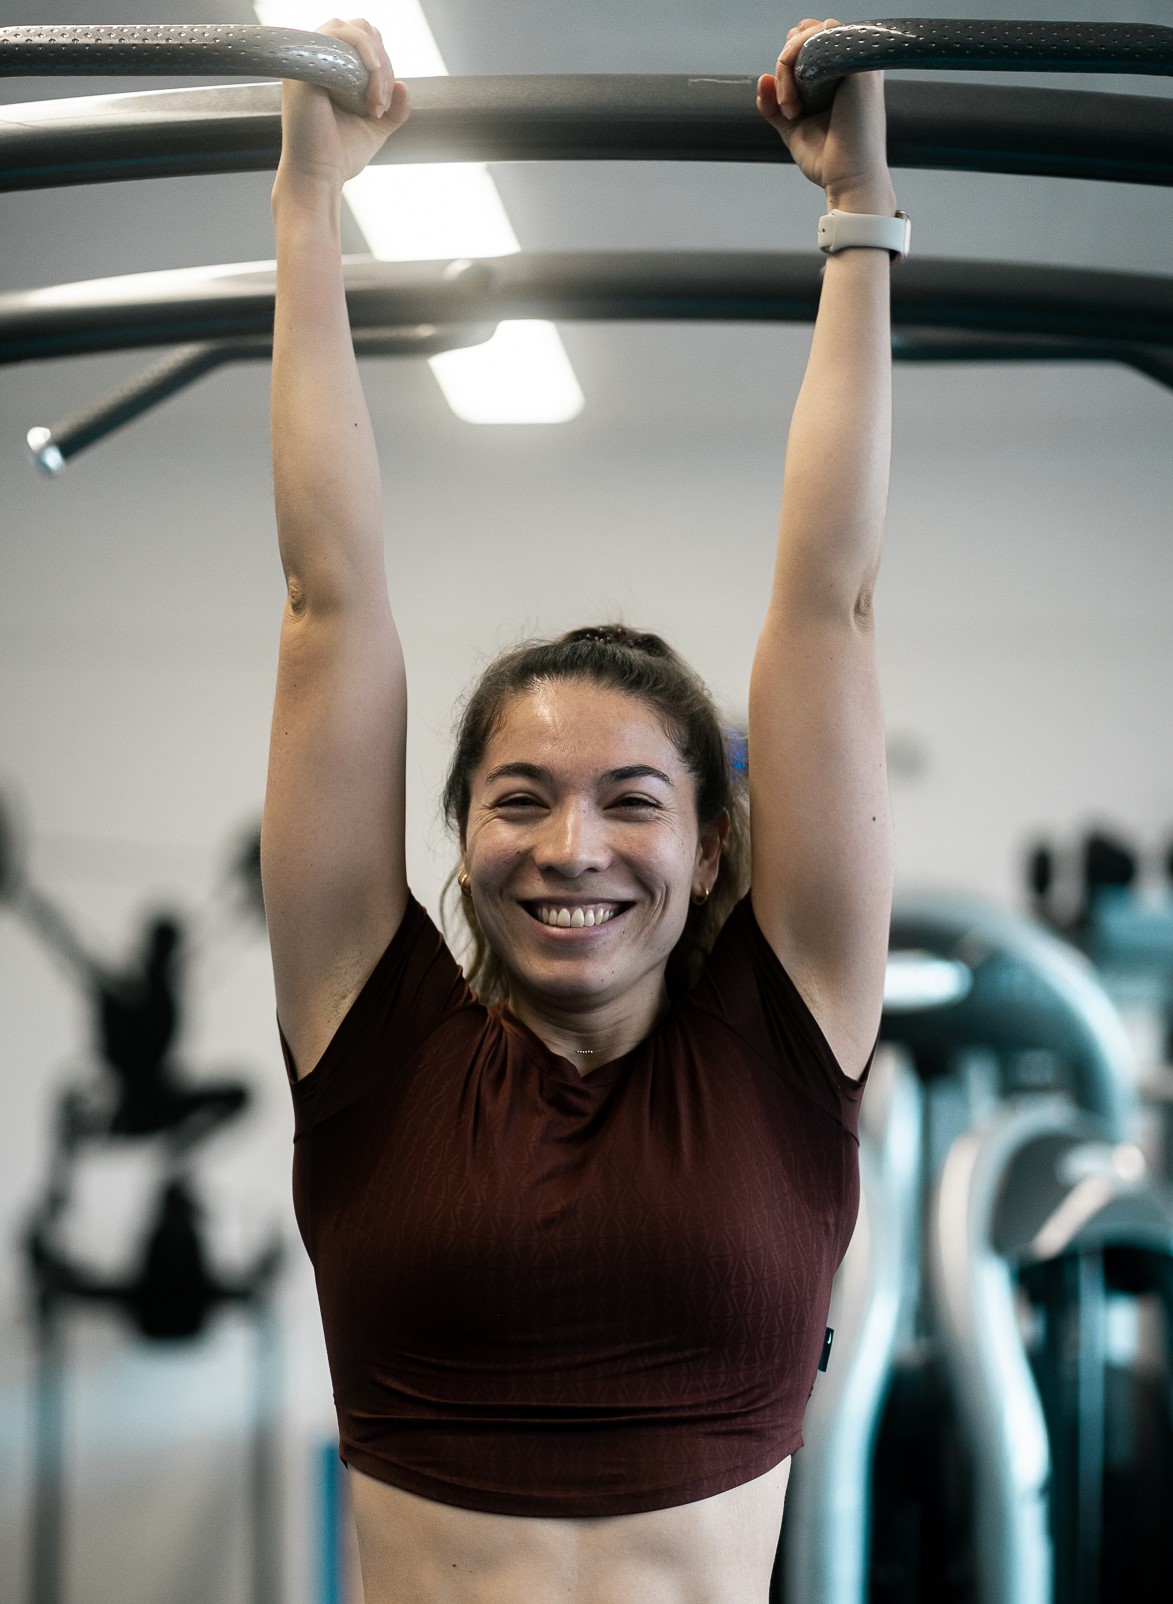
x,y
232,51
931,45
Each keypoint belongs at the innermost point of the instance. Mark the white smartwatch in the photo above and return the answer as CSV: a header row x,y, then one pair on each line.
x,y
838,231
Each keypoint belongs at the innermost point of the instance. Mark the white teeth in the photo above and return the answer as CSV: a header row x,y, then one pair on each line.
x,y
574,918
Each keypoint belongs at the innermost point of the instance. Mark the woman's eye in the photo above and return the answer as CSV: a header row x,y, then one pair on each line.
x,y
514,802
644,804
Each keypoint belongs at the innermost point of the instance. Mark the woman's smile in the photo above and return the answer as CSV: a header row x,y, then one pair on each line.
x,y
574,916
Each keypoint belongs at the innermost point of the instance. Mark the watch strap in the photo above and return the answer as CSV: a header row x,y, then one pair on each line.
x,y
840,231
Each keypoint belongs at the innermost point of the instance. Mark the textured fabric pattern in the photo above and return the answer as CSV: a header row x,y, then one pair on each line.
x,y
553,1295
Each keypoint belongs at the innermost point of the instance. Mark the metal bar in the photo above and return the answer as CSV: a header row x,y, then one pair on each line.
x,y
1156,365
211,50
1071,1373
932,45
1088,1319
237,128
919,42
202,304
265,1457
974,1311
331,1567
932,346
48,1492
53,447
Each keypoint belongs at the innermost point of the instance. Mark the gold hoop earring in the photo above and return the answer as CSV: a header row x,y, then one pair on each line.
x,y
701,896
463,882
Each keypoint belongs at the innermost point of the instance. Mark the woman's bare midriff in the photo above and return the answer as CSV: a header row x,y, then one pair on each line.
x,y
717,1550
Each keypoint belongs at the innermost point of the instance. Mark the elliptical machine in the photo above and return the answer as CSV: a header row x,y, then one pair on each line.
x,y
995,1427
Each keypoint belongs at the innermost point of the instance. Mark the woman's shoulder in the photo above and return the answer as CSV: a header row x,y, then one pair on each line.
x,y
415,986
746,987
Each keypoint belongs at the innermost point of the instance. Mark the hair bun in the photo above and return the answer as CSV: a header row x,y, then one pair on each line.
x,y
616,635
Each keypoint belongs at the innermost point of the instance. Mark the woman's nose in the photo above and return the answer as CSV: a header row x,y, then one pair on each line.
x,y
572,841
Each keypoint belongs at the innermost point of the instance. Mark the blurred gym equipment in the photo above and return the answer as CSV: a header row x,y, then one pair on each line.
x,y
173,1289
978,1436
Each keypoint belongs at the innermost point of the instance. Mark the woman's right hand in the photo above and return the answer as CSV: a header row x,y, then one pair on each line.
x,y
320,143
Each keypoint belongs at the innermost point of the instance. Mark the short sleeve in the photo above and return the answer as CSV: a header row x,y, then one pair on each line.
x,y
415,986
745,985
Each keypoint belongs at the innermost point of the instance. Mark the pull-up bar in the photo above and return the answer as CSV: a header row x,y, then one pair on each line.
x,y
901,42
1065,133
199,50
933,45
189,305
576,117
52,448
942,311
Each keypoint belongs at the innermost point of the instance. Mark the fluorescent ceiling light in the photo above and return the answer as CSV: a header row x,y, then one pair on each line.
x,y
502,388
430,213
438,211
410,44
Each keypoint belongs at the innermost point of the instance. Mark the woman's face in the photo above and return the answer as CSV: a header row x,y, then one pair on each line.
x,y
582,846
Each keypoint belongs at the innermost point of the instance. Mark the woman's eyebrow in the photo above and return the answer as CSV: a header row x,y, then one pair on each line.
x,y
517,771
637,771
534,771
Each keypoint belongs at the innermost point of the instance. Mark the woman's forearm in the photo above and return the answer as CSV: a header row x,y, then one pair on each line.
x,y
837,457
325,467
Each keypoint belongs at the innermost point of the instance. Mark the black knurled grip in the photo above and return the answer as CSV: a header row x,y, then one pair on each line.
x,y
932,45
195,50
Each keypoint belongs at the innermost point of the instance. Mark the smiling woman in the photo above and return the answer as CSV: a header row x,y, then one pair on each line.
x,y
584,851
597,681
574,1214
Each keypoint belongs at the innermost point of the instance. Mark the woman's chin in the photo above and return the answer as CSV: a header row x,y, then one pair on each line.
x,y
560,967
559,986
565,983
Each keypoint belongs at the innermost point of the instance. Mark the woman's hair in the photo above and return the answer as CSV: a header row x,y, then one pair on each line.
x,y
645,667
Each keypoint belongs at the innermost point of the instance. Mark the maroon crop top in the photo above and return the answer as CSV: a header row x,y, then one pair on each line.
x,y
553,1295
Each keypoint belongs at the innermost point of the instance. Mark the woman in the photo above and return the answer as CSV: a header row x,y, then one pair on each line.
x,y
574,1252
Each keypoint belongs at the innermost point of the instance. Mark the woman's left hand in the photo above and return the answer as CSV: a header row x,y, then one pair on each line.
x,y
844,148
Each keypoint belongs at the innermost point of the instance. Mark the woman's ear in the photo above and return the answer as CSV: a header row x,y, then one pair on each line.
x,y
712,840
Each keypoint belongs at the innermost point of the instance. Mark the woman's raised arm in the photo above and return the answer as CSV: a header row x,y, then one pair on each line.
x,y
822,855
332,843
